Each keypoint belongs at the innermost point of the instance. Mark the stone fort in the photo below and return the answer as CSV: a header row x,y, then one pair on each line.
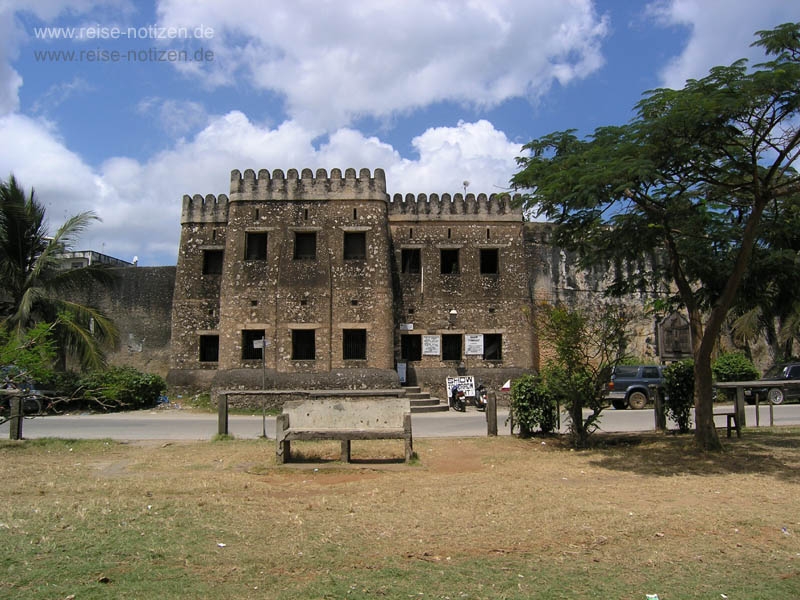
x,y
304,280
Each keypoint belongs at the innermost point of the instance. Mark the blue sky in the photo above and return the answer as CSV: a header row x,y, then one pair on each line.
x,y
114,119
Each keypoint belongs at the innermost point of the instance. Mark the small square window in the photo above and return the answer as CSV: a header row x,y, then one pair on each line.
x,y
490,261
355,245
209,348
255,245
449,261
303,344
410,260
212,262
411,347
492,346
354,344
249,350
305,245
451,347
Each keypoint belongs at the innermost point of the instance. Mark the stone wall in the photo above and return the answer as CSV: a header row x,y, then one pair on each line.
x,y
304,264
444,268
139,300
459,274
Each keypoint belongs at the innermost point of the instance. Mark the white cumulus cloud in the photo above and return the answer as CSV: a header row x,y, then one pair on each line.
x,y
720,32
140,202
336,61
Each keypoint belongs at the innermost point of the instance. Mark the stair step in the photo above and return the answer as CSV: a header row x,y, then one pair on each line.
x,y
429,409
428,405
412,389
418,396
425,402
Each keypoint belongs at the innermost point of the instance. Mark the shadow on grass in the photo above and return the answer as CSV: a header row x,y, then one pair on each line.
x,y
770,452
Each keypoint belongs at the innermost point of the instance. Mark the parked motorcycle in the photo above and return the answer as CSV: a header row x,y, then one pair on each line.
x,y
458,400
481,398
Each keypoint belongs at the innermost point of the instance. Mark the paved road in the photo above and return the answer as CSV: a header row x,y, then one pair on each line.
x,y
189,425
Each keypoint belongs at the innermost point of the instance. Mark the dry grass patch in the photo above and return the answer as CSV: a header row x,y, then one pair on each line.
x,y
477,518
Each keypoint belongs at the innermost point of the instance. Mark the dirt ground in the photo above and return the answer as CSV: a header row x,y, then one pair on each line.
x,y
644,509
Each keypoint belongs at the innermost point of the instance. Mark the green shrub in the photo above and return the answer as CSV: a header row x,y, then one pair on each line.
x,y
121,388
734,366
533,406
679,388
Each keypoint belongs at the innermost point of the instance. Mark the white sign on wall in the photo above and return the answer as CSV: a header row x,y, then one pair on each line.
x,y
473,344
431,345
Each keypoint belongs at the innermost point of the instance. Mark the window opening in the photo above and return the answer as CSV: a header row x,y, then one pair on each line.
x,y
411,347
449,261
354,344
490,261
305,245
410,260
492,346
212,262
355,245
248,337
209,348
303,344
451,346
255,245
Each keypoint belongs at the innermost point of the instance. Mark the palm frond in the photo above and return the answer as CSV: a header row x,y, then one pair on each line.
x,y
748,326
83,332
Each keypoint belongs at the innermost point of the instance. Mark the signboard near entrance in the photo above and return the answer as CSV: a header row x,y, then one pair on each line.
x,y
465,383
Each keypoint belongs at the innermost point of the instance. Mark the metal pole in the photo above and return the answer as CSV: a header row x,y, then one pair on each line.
x,y
263,363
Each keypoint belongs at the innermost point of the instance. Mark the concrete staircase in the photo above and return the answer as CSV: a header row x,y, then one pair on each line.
x,y
421,402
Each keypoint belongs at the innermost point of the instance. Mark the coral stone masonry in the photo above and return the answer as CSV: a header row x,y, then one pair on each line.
x,y
321,280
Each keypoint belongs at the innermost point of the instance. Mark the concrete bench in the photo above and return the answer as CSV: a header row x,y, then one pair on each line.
x,y
344,419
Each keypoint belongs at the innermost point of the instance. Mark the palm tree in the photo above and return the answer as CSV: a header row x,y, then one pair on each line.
x,y
35,290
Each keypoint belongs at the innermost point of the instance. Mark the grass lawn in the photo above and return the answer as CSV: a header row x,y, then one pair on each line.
x,y
472,518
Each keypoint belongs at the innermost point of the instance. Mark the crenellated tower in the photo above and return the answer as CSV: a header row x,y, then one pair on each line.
x,y
327,281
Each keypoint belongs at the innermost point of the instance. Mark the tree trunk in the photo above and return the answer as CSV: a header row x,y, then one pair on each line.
x,y
705,432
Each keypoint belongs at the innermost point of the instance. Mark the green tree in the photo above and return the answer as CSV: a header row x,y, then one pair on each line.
x,y
35,290
679,192
587,343
769,302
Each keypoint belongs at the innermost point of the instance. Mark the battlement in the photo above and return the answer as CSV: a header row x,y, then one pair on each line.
x,y
502,207
208,209
308,185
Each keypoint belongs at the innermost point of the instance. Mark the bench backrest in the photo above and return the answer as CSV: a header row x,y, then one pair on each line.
x,y
347,413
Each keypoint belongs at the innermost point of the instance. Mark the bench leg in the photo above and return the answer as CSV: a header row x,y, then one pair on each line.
x,y
346,450
283,452
733,423
283,447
